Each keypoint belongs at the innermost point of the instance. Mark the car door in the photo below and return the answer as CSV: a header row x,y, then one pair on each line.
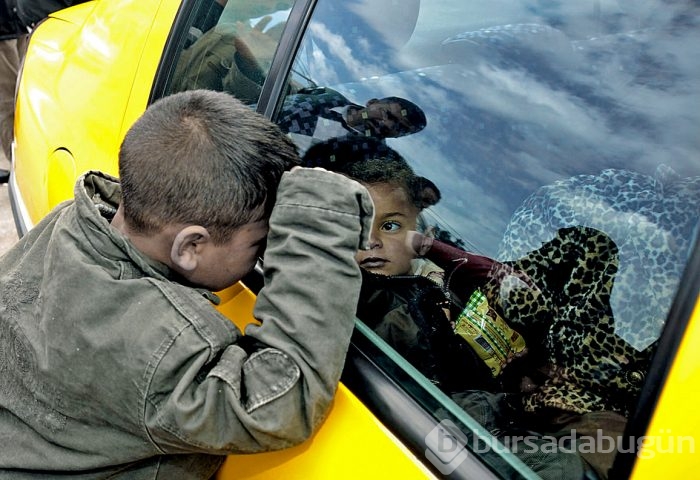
x,y
561,139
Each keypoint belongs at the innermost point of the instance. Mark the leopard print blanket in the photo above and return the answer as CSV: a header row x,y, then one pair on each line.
x,y
653,220
568,316
603,297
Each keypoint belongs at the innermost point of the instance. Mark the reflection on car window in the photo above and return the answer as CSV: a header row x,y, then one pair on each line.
x,y
544,157
230,46
313,114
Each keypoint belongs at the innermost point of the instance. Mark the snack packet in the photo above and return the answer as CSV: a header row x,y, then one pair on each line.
x,y
478,323
494,341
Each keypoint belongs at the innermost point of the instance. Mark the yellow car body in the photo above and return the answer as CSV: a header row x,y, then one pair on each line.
x,y
88,76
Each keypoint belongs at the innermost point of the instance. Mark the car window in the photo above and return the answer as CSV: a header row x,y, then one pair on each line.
x,y
229,46
546,155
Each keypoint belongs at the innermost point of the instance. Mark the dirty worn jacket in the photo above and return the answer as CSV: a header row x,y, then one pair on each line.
x,y
110,368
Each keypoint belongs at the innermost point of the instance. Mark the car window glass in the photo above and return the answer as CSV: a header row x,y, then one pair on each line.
x,y
547,155
229,46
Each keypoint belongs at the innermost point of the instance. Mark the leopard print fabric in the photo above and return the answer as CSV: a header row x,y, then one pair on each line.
x,y
652,220
568,315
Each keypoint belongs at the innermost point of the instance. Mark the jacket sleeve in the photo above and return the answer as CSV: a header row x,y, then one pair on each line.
x,y
275,392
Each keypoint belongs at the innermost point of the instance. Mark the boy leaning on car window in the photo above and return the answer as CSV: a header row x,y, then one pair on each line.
x,y
113,361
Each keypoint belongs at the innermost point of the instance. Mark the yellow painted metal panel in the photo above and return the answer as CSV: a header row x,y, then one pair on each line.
x,y
62,173
76,83
351,444
32,151
673,438
149,61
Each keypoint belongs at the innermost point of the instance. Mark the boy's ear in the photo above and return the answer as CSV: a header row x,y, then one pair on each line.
x,y
427,192
187,247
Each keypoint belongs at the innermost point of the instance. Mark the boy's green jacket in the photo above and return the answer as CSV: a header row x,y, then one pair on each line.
x,y
108,367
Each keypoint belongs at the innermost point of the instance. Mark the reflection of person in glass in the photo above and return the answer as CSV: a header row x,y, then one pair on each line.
x,y
235,50
387,117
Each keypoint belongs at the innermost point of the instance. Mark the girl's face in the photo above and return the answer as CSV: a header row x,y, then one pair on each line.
x,y
395,215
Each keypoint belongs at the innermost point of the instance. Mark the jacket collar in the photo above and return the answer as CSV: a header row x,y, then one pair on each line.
x,y
97,196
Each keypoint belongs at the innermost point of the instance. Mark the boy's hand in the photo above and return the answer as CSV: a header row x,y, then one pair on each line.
x,y
364,200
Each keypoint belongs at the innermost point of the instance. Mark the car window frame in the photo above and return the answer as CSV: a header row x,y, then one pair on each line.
x,y
395,407
276,80
172,49
284,55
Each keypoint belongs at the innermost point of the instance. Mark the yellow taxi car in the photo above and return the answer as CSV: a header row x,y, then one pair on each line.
x,y
563,138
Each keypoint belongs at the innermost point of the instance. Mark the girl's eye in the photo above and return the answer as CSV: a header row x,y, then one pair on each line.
x,y
390,226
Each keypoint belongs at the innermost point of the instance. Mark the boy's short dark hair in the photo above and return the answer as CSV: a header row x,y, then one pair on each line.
x,y
371,161
201,157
